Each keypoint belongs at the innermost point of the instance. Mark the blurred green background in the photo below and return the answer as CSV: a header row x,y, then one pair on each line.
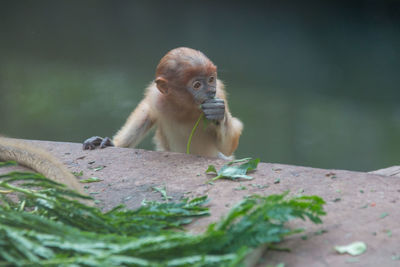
x,y
315,83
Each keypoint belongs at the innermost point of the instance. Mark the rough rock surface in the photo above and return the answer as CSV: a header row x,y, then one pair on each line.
x,y
360,206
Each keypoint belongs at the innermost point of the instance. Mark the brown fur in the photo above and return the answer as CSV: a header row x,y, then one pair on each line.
x,y
173,109
183,62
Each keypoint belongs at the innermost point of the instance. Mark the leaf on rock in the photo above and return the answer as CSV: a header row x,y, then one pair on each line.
x,y
90,180
233,171
354,249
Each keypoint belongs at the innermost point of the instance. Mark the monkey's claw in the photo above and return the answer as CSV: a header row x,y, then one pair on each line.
x,y
106,142
96,141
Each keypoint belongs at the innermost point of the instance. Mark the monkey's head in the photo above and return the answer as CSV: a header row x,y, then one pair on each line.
x,y
188,73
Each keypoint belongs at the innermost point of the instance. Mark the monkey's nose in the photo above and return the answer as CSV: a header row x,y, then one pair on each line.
x,y
211,91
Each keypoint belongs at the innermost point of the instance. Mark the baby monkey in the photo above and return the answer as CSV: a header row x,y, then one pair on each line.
x,y
185,86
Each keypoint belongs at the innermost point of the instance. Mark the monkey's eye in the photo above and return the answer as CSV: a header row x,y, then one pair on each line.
x,y
196,85
211,79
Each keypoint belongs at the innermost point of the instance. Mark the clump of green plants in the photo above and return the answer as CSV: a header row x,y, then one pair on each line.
x,y
42,223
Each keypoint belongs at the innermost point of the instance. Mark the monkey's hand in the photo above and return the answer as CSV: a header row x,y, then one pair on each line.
x,y
214,109
93,142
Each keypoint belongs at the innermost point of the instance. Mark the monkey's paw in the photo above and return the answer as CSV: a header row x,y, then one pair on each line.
x,y
214,109
97,141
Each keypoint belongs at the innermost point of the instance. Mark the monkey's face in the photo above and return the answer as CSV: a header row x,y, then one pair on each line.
x,y
203,88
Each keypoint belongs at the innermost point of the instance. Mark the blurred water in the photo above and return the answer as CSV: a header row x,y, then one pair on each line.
x,y
315,84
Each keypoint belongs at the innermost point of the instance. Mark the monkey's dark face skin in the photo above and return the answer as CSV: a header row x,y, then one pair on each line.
x,y
202,88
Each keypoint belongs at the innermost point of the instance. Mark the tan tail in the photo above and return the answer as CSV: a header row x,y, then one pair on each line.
x,y
38,160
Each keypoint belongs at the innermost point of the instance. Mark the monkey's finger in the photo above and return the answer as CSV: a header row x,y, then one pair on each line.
x,y
92,142
87,146
216,117
213,105
106,142
214,100
95,140
213,111
214,114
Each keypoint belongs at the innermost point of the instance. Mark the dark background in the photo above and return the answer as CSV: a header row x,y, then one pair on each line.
x,y
315,83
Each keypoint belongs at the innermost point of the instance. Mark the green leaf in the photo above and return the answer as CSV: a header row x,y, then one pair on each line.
x,y
238,161
163,192
206,122
78,174
234,172
7,163
383,215
91,180
211,168
354,249
98,168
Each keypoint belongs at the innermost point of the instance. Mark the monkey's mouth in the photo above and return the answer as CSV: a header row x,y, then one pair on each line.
x,y
207,99
210,96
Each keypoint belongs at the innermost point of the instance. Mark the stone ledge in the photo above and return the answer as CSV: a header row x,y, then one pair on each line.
x,y
391,171
355,200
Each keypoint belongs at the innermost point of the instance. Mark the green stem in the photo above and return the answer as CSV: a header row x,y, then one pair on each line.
x,y
192,133
215,178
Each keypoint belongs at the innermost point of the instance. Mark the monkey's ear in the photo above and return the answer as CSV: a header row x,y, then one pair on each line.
x,y
162,85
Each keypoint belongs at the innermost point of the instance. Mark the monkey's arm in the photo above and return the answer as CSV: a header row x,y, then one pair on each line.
x,y
228,134
228,128
137,125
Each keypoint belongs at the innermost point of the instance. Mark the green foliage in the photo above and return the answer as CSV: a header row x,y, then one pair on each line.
x,y
163,192
78,174
90,180
233,172
45,226
8,163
